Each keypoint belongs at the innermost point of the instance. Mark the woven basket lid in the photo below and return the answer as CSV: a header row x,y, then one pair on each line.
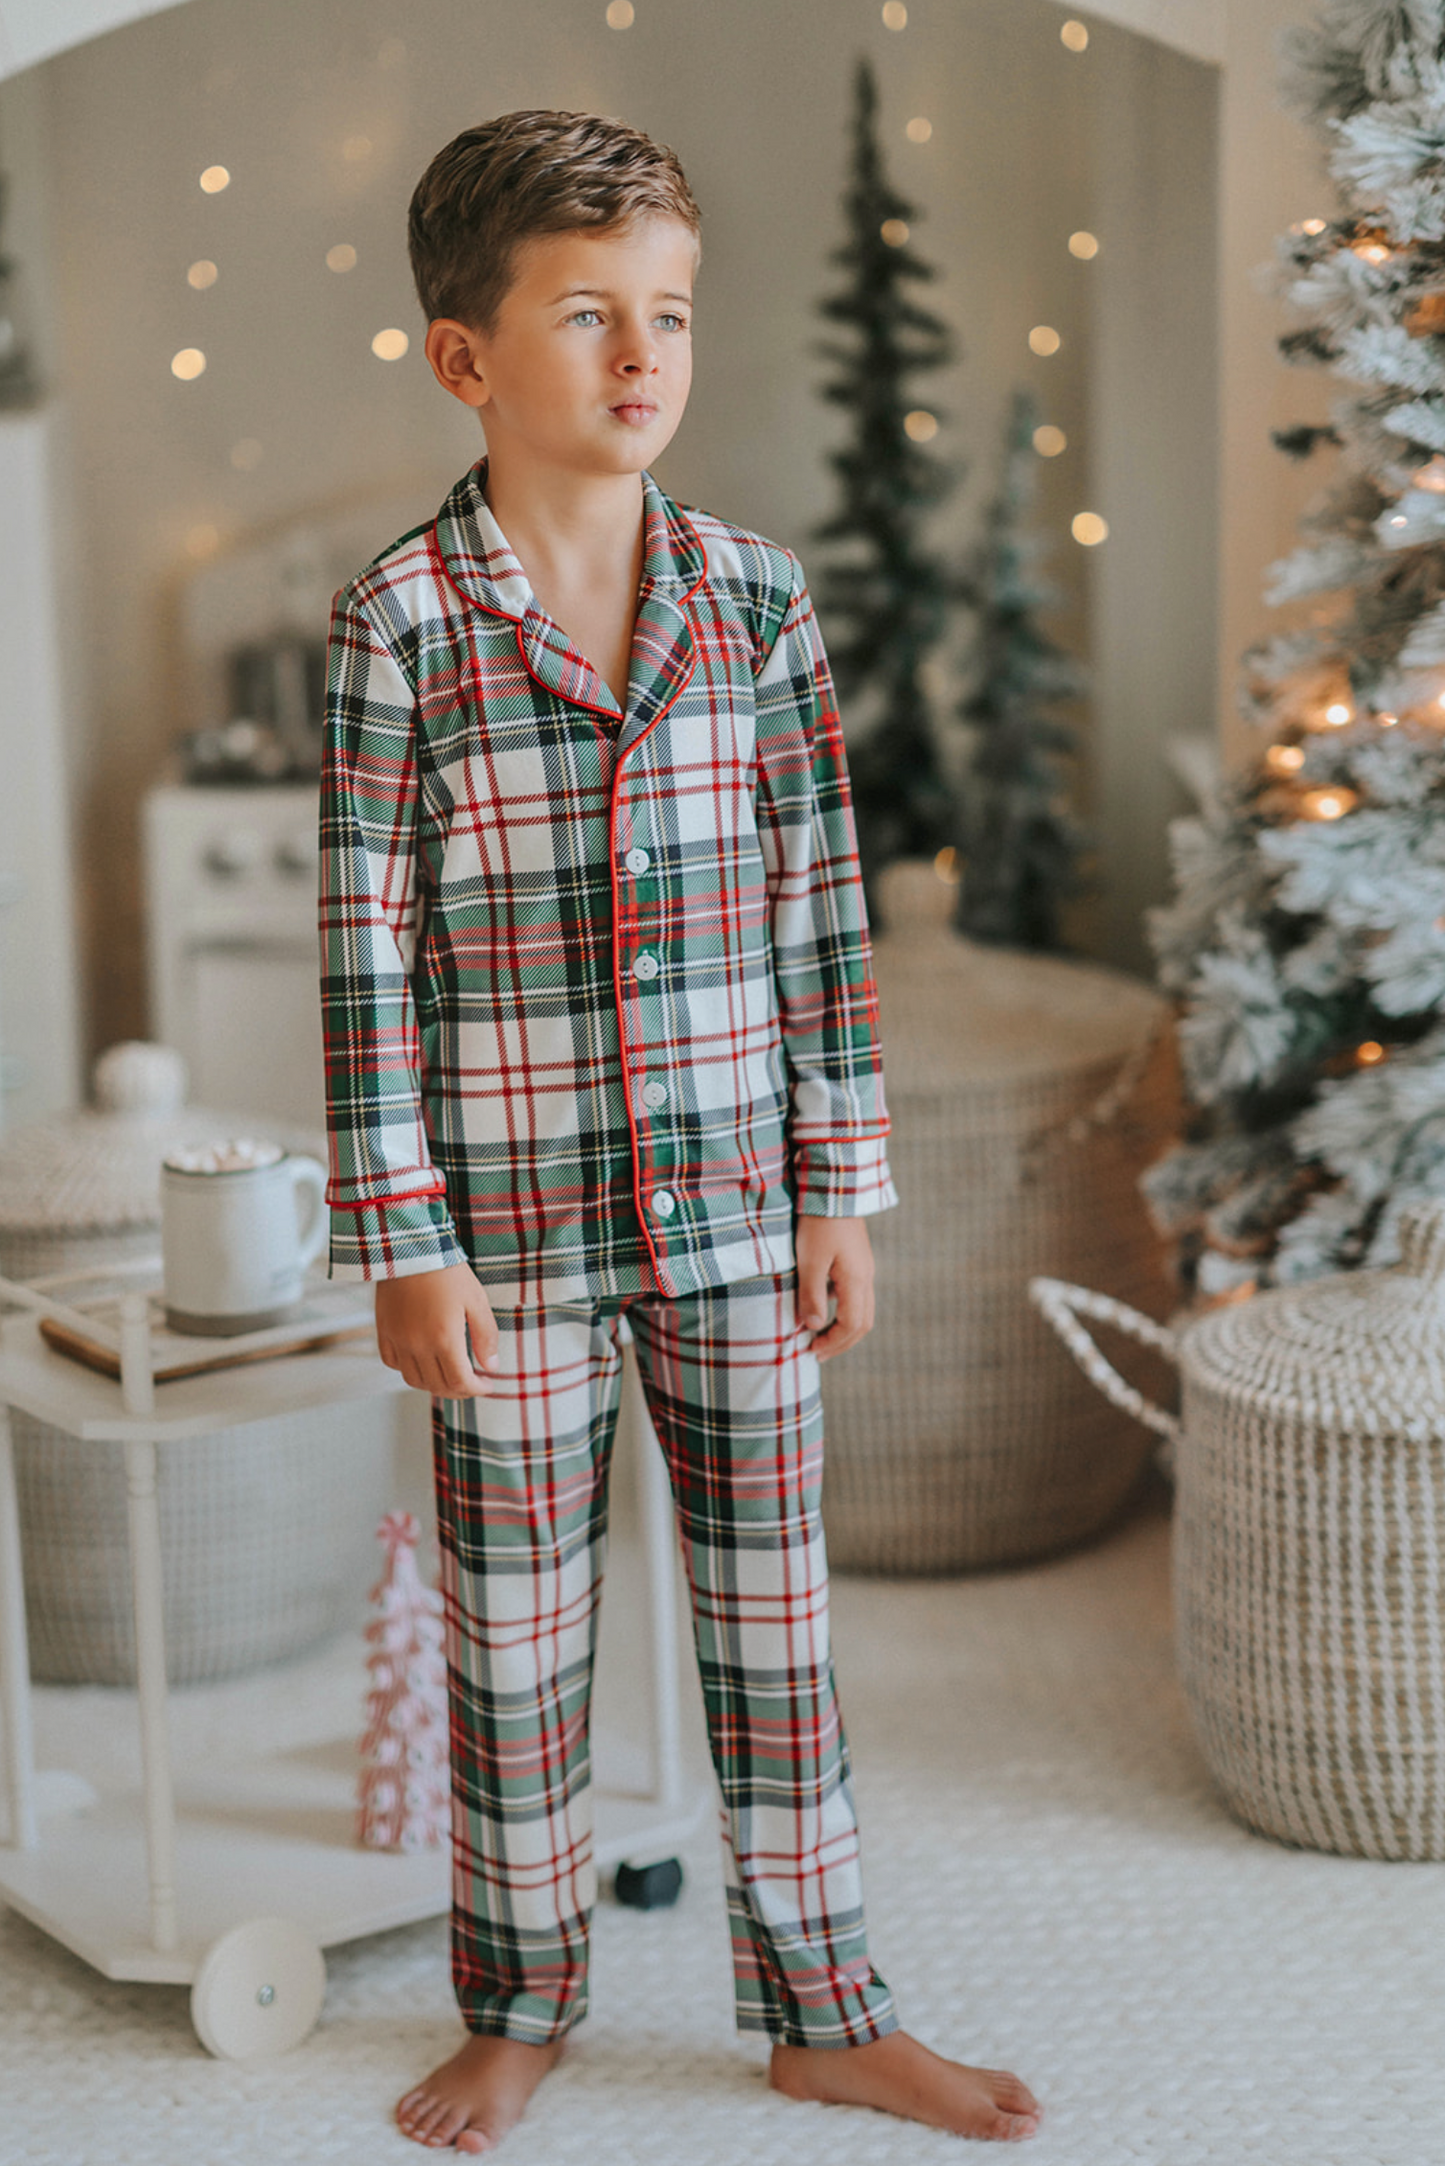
x,y
954,1010
1362,1353
99,1171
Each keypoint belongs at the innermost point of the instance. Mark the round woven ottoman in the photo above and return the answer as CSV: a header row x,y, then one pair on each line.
x,y
1027,1094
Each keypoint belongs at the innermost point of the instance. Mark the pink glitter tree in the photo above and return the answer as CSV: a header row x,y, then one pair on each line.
x,y
404,1791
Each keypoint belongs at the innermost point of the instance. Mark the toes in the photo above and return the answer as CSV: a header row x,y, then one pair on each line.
x,y
474,2139
1011,2096
1018,2127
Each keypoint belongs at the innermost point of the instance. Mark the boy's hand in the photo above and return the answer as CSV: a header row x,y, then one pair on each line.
x,y
422,1323
834,1256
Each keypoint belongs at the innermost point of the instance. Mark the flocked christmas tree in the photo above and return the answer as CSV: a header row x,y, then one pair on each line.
x,y
884,590
1020,845
1307,935
404,1791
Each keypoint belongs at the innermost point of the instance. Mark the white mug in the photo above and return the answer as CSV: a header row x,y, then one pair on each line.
x,y
240,1223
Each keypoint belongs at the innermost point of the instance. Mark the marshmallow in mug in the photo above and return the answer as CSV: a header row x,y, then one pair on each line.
x,y
238,1154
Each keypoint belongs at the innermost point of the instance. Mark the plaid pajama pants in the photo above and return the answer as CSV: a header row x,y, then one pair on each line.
x,y
732,1385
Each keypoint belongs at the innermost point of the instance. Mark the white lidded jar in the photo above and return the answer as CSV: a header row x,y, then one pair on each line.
x,y
268,1531
1309,1544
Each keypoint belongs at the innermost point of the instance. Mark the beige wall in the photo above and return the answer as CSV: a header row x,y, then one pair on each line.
x,y
1271,173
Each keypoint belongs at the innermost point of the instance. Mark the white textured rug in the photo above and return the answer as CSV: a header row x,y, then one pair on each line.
x,y
1052,1887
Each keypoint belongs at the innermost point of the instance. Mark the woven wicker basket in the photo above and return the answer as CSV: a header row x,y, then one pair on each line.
x,y
1308,1567
1026,1096
268,1533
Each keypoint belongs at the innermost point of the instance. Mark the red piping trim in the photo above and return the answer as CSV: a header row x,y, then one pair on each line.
x,y
380,1203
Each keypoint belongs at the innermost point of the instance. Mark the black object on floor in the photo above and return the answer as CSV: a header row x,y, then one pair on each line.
x,y
649,1887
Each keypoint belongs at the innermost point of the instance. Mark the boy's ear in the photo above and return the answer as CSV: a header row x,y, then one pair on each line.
x,y
454,351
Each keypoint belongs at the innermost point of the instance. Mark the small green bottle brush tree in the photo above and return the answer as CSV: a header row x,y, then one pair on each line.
x,y
1020,847
884,589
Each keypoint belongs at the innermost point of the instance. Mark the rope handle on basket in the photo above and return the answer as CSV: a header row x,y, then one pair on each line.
x,y
1062,1305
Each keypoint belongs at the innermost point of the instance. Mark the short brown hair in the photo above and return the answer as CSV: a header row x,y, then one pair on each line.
x,y
515,178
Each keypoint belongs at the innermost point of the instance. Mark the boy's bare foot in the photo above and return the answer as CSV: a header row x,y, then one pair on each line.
x,y
898,2075
475,2097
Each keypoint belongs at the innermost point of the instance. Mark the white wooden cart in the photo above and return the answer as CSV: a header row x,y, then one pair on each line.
x,y
233,1880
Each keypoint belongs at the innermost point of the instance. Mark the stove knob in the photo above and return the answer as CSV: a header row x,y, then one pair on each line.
x,y
234,851
297,852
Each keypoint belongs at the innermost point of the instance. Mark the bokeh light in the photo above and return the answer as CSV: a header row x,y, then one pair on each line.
x,y
341,258
390,345
202,274
1089,529
214,179
1049,440
921,425
1044,339
188,364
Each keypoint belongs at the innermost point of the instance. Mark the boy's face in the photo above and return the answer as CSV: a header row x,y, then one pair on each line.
x,y
588,366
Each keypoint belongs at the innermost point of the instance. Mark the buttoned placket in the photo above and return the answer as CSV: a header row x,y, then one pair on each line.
x,y
663,659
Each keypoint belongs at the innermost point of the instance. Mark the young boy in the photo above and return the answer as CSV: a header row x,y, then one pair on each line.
x,y
601,1044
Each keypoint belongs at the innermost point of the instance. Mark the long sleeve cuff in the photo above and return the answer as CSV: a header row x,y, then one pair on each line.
x,y
843,1179
392,1238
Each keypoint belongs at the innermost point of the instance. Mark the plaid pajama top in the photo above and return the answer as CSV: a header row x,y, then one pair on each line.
x,y
597,996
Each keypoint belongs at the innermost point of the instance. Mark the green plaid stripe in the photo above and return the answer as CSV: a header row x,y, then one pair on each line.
x,y
521,1489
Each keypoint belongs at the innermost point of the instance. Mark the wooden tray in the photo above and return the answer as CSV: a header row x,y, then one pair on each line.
x,y
329,1316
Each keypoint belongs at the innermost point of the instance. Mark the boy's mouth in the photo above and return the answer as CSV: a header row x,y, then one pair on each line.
x,y
636,412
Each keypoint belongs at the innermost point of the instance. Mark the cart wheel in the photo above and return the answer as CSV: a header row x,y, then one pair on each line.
x,y
258,1991
649,1887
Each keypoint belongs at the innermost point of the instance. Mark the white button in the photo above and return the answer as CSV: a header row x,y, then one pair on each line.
x,y
664,1203
646,966
637,861
654,1095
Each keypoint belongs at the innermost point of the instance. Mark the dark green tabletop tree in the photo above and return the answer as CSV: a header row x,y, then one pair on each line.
x,y
883,590
1020,845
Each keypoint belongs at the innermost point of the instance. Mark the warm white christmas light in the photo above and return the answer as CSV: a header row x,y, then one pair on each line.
x,y
1284,759
621,14
894,231
1370,1054
1084,245
1313,226
390,345
920,425
1076,36
919,130
1387,721
202,274
1338,714
1399,519
341,258
1328,804
214,179
188,364
1044,339
1089,529
1049,441
1372,252
895,15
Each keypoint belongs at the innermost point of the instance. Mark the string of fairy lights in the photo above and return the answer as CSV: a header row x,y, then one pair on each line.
x,y
391,343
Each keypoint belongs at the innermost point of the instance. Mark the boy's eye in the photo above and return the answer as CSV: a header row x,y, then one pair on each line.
x,y
586,315
673,323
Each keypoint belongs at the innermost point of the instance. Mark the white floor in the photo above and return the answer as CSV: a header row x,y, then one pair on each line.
x,y
1052,1887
